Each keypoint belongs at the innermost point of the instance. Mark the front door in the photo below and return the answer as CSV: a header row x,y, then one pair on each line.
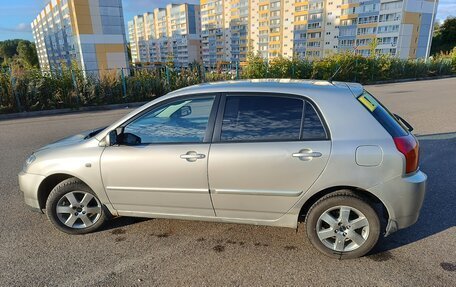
x,y
268,150
160,167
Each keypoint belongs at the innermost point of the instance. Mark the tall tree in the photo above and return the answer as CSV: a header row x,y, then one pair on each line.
x,y
20,51
27,52
444,39
448,30
8,48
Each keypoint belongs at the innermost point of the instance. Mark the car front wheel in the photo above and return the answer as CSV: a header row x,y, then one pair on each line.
x,y
343,225
74,208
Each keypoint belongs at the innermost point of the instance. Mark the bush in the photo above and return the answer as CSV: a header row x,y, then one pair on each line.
x,y
256,67
452,57
25,89
145,85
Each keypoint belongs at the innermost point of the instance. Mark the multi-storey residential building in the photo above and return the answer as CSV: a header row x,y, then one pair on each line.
x,y
141,32
314,28
90,33
227,30
167,34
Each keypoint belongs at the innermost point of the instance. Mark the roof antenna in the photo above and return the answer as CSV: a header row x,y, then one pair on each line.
x,y
335,73
340,67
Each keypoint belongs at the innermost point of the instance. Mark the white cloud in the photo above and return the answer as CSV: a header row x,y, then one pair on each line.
x,y
19,28
23,27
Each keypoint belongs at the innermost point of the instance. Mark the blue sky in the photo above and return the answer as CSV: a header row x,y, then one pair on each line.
x,y
16,15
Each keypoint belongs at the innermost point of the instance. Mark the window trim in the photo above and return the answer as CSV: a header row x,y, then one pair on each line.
x,y
210,123
216,138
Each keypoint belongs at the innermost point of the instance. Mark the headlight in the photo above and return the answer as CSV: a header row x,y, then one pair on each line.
x,y
29,161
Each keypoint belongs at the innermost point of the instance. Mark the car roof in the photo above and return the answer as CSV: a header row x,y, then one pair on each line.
x,y
311,88
294,86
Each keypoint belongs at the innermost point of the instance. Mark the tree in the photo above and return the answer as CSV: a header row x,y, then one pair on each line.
x,y
256,68
444,39
8,49
170,60
373,46
20,51
27,52
129,52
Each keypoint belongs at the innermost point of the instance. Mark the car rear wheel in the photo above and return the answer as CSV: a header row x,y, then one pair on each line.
x,y
343,225
74,208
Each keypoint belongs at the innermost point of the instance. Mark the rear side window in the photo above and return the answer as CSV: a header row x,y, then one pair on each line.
x,y
261,118
382,115
312,126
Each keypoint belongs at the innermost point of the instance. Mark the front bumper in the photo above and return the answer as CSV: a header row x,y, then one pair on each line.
x,y
28,184
403,198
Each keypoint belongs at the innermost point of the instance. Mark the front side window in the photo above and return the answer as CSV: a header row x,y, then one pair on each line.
x,y
261,118
181,121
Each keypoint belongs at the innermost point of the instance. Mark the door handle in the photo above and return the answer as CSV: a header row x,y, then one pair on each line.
x,y
192,156
307,154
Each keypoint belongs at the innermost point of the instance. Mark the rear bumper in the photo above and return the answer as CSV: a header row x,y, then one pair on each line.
x,y
403,198
28,184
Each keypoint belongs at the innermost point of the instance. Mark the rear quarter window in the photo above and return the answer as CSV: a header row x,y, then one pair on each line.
x,y
382,115
312,128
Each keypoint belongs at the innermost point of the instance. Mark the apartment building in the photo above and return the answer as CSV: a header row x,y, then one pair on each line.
x,y
398,27
171,34
90,33
226,32
314,28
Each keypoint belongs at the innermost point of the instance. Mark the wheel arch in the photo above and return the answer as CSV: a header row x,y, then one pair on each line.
x,y
48,184
370,197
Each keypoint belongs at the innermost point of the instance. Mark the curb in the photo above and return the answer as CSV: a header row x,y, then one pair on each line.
x,y
67,111
410,80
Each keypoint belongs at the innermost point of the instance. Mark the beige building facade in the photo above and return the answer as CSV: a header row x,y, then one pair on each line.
x,y
90,33
170,34
314,28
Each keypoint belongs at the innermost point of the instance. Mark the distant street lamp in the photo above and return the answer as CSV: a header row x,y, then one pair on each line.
x,y
431,29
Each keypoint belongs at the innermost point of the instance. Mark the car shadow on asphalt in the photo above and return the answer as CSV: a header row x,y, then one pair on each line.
x,y
438,161
121,221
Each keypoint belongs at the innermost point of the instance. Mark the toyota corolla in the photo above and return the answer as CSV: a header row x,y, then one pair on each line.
x,y
268,152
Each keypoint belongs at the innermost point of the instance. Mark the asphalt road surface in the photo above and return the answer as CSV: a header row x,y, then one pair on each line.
x,y
134,252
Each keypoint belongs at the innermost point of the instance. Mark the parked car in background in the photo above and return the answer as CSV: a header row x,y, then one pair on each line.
x,y
267,152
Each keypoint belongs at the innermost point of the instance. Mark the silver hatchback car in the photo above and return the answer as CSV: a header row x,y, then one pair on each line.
x,y
269,152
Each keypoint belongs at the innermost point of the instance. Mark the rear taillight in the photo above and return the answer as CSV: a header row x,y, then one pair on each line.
x,y
409,147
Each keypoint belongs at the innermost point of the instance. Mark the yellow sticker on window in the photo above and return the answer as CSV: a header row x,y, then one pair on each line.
x,y
368,102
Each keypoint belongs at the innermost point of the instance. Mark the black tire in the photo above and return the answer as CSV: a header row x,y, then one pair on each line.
x,y
59,197
333,204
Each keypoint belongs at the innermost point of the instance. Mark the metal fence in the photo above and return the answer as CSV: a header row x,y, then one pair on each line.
x,y
31,90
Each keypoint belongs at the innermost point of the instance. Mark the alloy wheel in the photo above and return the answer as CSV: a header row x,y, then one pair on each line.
x,y
78,209
342,228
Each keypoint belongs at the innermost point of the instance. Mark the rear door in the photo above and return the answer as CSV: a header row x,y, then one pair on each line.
x,y
267,150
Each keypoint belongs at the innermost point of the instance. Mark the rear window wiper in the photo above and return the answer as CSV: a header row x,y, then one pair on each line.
x,y
404,122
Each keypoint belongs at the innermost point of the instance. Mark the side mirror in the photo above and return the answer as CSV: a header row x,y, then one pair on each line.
x,y
112,138
182,112
130,139
185,111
